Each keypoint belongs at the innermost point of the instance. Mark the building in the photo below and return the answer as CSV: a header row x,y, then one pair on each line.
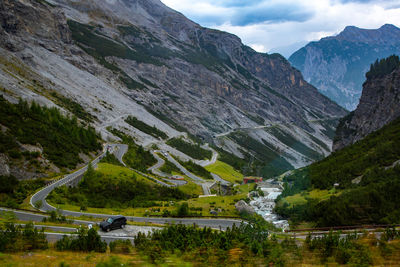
x,y
252,179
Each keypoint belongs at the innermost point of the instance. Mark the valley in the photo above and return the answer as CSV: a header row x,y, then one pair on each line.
x,y
196,149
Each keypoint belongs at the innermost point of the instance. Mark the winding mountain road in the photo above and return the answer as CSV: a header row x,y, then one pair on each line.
x,y
39,198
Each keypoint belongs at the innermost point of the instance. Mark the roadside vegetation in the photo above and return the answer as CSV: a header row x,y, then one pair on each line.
x,y
196,169
13,192
62,138
144,127
360,184
14,238
111,159
192,150
136,157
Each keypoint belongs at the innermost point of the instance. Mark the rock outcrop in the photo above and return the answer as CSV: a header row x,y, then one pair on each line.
x,y
336,65
242,207
379,105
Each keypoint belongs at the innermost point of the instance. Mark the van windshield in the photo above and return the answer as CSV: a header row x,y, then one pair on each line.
x,y
109,220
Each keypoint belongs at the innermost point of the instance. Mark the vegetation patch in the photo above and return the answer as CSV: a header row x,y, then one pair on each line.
x,y
13,192
136,157
192,150
62,138
72,106
383,67
270,163
142,126
15,238
196,169
226,172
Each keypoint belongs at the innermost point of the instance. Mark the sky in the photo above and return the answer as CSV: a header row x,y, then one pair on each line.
x,y
284,26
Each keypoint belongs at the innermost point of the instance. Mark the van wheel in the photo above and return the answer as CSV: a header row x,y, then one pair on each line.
x,y
108,230
122,226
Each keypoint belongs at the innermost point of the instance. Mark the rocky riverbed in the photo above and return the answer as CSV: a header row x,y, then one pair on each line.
x,y
264,205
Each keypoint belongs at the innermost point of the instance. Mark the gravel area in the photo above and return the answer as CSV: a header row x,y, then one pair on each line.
x,y
129,230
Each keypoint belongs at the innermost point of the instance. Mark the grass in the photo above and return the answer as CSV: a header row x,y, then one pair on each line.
x,y
225,203
301,198
190,188
52,257
225,171
118,171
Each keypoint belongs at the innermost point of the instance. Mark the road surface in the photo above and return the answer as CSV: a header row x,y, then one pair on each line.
x,y
213,159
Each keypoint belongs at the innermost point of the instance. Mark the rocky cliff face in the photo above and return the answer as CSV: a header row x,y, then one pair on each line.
x,y
379,105
336,65
135,57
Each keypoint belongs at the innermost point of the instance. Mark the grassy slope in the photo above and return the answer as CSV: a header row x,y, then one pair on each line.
x,y
225,171
119,171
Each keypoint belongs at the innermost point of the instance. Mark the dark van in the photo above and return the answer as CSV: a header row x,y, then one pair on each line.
x,y
113,222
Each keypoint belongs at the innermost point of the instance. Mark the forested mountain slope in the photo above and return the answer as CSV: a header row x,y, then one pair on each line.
x,y
358,184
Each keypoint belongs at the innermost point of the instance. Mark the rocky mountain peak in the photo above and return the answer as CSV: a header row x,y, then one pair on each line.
x,y
382,35
337,65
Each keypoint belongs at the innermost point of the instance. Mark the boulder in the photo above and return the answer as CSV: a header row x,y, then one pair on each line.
x,y
242,206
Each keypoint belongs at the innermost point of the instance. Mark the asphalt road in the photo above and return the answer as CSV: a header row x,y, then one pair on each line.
x,y
155,170
183,170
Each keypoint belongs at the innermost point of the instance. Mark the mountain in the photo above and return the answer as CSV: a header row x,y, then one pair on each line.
x,y
357,184
105,60
379,104
336,65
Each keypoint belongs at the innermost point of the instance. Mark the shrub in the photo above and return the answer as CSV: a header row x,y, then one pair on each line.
x,y
87,240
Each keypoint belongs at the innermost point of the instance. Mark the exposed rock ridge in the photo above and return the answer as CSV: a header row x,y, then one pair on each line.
x,y
379,105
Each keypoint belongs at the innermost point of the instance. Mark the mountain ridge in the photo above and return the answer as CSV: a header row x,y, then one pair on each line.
x,y
336,65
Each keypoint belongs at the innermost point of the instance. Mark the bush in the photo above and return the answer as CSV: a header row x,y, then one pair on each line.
x,y
183,210
87,240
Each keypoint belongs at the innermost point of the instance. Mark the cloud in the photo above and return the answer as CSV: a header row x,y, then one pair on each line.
x,y
271,24
270,13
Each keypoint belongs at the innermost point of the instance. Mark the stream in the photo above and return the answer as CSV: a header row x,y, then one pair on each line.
x,y
264,206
